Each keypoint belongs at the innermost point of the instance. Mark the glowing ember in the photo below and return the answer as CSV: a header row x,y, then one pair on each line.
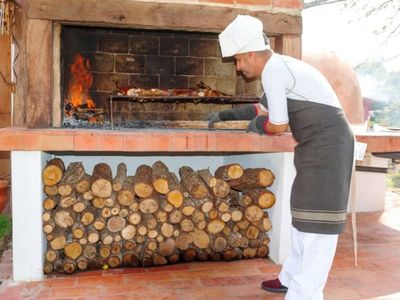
x,y
80,83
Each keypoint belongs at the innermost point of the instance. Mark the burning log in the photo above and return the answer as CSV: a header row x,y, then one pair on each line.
x,y
154,219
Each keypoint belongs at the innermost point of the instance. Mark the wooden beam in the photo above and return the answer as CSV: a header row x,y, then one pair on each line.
x,y
57,103
38,104
156,15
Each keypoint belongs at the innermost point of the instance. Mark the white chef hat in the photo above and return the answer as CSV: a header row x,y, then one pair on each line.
x,y
244,34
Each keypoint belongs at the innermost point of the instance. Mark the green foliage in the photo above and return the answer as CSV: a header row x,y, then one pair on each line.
x,y
394,180
5,225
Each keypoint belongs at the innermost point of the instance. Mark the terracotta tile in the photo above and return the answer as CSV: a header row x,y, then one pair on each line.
x,y
296,4
146,141
75,292
176,284
85,141
255,2
222,281
195,274
168,268
210,293
147,277
65,282
57,142
110,142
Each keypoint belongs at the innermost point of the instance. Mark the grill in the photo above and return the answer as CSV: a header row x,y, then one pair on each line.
x,y
175,99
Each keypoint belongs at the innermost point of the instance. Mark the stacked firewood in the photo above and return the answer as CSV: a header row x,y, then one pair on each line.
x,y
153,218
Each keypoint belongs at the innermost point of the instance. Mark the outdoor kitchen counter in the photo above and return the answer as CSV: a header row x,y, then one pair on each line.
x,y
169,140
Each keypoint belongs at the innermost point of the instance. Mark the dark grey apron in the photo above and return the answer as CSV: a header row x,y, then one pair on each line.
x,y
323,159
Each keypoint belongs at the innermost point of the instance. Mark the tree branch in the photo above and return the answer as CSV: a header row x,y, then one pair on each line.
x,y
320,2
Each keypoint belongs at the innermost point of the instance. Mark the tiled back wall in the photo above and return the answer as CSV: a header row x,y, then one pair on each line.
x,y
151,59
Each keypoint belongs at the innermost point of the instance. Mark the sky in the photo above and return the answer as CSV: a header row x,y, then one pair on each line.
x,y
330,28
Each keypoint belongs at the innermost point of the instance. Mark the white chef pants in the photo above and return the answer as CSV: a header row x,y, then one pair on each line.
x,y
306,270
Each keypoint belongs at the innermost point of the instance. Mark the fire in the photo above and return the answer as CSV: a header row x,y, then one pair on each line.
x,y
80,83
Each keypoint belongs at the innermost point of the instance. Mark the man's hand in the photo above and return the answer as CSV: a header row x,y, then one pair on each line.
x,y
258,125
212,118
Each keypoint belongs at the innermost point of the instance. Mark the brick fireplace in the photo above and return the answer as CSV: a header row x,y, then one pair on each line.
x,y
126,36
183,33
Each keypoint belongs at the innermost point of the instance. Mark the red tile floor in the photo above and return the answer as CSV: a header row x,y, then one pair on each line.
x,y
376,277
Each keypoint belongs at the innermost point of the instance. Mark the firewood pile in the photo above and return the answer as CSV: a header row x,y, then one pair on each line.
x,y
152,218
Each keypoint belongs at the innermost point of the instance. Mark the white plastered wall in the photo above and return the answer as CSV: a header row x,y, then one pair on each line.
x,y
27,196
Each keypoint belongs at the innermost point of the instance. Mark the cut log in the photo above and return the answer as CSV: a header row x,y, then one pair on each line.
x,y
126,195
74,173
252,232
84,184
159,260
106,212
50,190
82,263
143,186
253,213
187,225
193,183
93,235
107,237
161,179
88,216
218,186
88,195
249,252
64,218
167,247
229,172
48,267
69,265
49,226
183,241
237,215
73,250
135,218
102,180
78,230
53,172
51,255
215,226
130,259
167,230
99,223
99,202
175,194
149,221
50,203
253,178
175,216
80,205
128,232
90,251
262,251
260,196
68,201
120,177
189,255
200,238
219,244
116,224
148,206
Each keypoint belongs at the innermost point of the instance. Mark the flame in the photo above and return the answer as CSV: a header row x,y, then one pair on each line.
x,y
80,83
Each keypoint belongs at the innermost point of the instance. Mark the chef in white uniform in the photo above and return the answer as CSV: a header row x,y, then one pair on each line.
x,y
298,96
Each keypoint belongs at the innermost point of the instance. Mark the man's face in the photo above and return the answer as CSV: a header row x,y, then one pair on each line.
x,y
244,64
